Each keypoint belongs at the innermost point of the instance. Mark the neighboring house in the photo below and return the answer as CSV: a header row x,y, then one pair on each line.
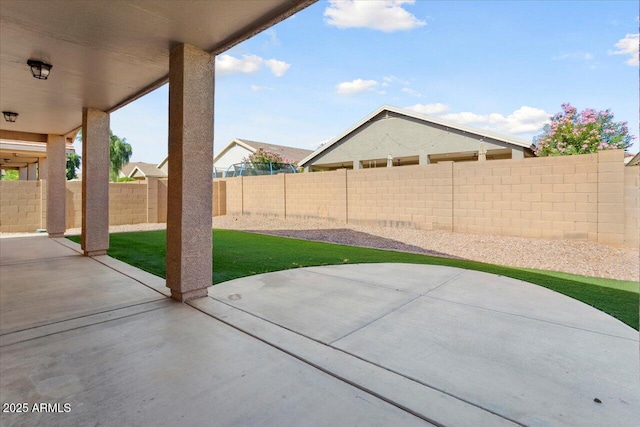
x,y
146,170
27,157
239,149
632,159
393,136
129,167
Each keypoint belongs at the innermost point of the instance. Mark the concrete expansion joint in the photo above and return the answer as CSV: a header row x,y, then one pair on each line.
x,y
506,313
354,383
451,279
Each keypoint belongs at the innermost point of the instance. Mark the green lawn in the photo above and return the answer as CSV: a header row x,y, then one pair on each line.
x,y
238,254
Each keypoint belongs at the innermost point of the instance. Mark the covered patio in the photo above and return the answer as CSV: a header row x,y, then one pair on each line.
x,y
88,340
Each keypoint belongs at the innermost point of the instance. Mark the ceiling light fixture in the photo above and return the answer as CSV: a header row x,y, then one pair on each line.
x,y
39,69
9,116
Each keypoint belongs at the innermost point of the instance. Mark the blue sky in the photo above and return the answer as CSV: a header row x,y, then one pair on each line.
x,y
505,66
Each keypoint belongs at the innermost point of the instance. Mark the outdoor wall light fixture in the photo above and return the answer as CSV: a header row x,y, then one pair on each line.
x,y
9,116
39,69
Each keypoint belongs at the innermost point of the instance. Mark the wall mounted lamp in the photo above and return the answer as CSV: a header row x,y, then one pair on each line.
x,y
9,116
39,69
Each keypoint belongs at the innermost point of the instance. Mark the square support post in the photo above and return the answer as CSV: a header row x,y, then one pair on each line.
x,y
95,182
189,193
56,185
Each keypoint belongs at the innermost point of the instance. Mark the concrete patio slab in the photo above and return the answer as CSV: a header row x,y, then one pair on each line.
x,y
316,305
178,367
36,247
507,295
343,345
516,350
414,280
536,373
49,290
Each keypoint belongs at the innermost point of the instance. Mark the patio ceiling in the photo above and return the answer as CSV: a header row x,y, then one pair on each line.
x,y
106,54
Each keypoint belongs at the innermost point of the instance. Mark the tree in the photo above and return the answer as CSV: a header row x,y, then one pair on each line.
x,y
587,132
119,153
10,175
264,156
73,163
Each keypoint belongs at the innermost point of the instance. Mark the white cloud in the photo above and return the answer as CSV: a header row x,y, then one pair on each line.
x,y
523,120
227,64
355,86
383,15
429,109
257,88
249,64
412,92
278,68
628,46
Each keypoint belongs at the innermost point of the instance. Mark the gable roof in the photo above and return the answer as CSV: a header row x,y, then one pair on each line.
x,y
126,169
290,153
147,170
634,160
412,114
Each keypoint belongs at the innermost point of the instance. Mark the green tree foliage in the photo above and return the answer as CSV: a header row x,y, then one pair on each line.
x,y
570,132
10,175
73,163
119,152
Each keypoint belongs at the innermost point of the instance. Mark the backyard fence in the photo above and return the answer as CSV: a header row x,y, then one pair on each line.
x,y
588,197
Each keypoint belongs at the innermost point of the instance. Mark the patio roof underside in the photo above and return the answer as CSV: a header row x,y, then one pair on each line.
x,y
107,54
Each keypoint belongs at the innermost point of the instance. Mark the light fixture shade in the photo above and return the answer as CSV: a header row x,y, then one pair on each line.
x,y
39,69
10,116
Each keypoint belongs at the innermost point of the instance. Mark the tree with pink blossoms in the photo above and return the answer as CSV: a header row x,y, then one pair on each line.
x,y
570,132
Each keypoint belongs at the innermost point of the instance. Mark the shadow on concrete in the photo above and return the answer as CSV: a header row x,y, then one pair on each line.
x,y
345,236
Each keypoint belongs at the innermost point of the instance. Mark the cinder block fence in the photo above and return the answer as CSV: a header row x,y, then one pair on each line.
x,y
589,197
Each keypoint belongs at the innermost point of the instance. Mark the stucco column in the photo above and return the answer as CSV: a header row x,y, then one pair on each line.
x,y
189,208
32,172
42,167
56,185
95,182
23,174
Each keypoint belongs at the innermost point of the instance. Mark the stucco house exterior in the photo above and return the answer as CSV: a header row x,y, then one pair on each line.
x,y
392,136
238,149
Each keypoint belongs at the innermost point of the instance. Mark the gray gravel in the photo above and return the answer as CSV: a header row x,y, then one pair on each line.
x,y
571,256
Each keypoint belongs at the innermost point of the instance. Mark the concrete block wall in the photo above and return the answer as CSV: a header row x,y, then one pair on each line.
x,y
234,187
20,206
162,200
549,197
588,197
74,204
631,206
407,197
317,196
264,195
219,197
127,203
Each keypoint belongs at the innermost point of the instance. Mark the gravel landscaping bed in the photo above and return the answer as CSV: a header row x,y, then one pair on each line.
x,y
571,256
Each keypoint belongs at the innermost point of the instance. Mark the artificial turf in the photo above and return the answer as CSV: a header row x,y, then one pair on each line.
x,y
239,254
